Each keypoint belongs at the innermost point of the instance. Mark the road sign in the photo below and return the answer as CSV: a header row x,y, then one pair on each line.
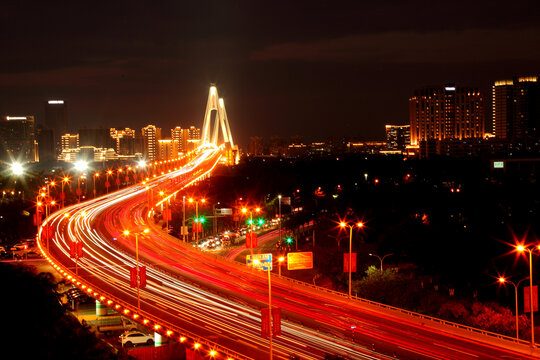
x,y
300,260
264,261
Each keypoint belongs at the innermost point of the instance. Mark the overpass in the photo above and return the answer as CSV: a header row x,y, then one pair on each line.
x,y
212,305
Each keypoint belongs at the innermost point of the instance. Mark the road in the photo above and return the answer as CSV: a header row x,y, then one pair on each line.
x,y
202,298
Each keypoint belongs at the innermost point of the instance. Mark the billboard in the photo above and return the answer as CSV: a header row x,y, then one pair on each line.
x,y
300,260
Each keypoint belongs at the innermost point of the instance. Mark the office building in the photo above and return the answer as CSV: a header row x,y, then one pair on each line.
x,y
70,141
46,144
56,119
17,139
516,107
448,112
398,136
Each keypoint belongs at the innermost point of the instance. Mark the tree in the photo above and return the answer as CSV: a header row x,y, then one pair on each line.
x,y
42,326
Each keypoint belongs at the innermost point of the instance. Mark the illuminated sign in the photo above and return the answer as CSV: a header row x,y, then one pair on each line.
x,y
260,261
16,117
300,260
52,102
450,88
498,164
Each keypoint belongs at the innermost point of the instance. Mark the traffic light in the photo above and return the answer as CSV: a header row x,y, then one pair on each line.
x,y
289,240
261,221
250,222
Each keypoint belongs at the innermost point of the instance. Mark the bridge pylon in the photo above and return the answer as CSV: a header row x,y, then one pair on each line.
x,y
215,119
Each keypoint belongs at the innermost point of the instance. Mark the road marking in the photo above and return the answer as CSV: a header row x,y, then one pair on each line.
x,y
248,344
212,329
185,317
454,349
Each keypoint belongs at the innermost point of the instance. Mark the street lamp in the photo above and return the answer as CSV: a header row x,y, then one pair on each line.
x,y
381,259
521,248
280,260
63,196
351,226
17,169
126,233
269,267
503,280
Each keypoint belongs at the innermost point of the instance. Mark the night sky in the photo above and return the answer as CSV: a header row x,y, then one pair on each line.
x,y
315,68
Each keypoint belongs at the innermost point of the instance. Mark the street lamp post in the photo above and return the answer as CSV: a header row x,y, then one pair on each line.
x,y
64,180
345,225
280,260
521,248
256,262
126,233
381,259
96,175
279,197
184,218
503,280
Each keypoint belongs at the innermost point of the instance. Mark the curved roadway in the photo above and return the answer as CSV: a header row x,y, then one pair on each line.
x,y
198,298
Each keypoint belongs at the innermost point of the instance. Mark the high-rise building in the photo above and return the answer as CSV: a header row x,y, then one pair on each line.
x,y
99,138
449,112
56,119
17,139
46,144
70,141
167,149
124,141
516,107
256,146
151,135
398,136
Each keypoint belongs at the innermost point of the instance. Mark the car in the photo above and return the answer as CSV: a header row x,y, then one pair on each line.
x,y
18,251
134,338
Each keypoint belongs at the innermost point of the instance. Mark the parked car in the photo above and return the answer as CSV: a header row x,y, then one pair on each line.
x,y
110,324
134,338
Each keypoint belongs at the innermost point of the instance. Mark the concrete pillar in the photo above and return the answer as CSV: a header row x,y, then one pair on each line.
x,y
101,309
158,339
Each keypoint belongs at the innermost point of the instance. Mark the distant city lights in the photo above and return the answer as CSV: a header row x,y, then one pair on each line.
x,y
17,168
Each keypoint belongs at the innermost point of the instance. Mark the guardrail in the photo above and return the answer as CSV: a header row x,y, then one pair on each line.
x,y
426,320
146,319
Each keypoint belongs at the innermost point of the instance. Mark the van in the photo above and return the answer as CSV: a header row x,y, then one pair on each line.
x,y
110,324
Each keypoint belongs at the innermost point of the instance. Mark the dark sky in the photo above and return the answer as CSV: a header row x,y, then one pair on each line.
x,y
316,68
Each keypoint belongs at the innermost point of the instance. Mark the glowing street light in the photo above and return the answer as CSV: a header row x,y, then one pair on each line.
x,y
503,280
280,260
351,227
81,166
17,169
381,259
521,249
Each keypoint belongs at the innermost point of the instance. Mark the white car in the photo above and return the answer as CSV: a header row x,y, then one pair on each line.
x,y
134,338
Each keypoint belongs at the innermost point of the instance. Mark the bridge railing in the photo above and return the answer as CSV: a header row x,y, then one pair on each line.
x,y
146,319
419,319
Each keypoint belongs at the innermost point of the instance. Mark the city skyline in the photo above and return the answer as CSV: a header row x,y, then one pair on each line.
x,y
283,71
